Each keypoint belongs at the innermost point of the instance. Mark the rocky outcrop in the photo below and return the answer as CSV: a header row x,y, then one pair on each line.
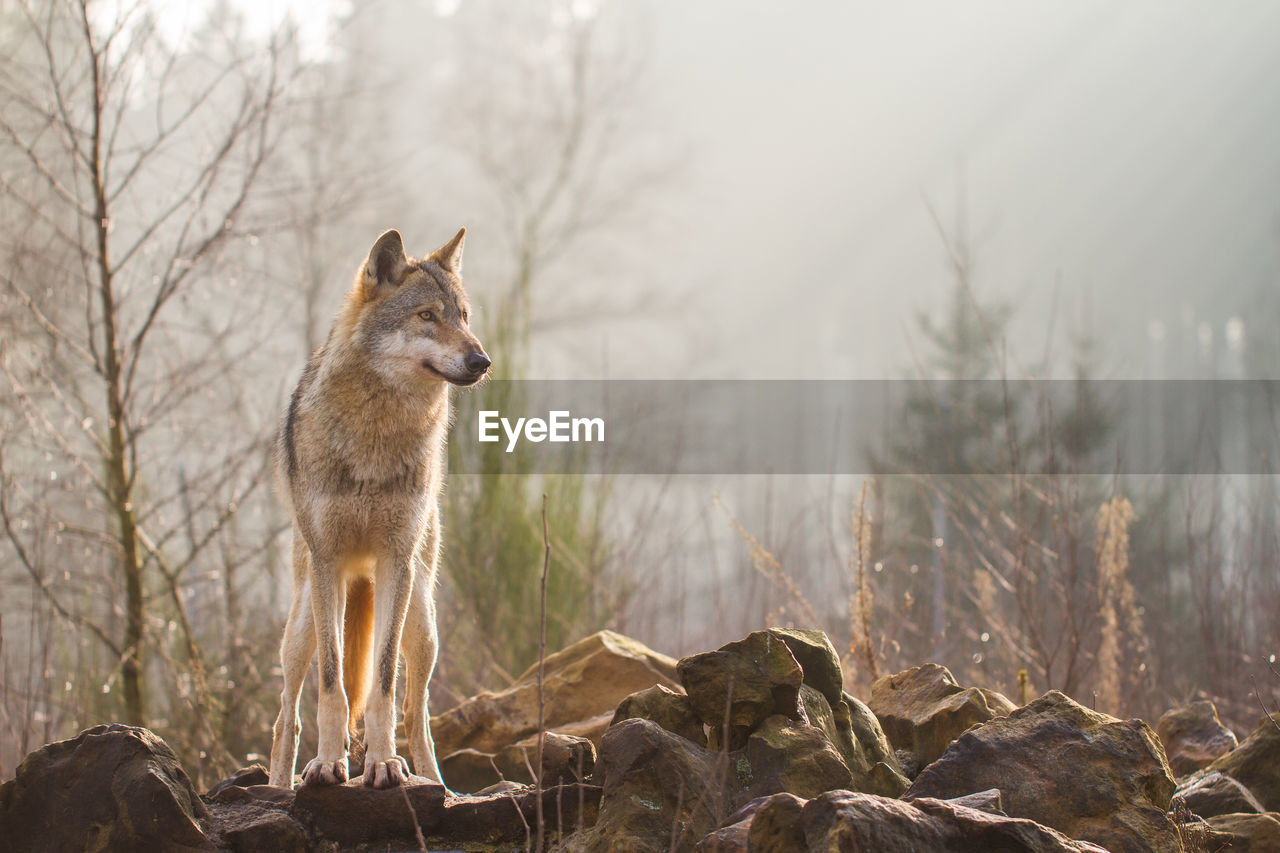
x,y
111,787
582,686
658,769
805,766
1194,737
923,709
1085,774
121,788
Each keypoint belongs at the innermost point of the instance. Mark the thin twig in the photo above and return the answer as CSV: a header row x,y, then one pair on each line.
x,y
542,654
417,827
1269,715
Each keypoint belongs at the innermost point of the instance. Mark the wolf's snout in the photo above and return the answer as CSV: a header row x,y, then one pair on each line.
x,y
477,362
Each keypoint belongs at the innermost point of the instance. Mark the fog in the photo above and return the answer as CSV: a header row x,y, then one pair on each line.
x,y
1109,166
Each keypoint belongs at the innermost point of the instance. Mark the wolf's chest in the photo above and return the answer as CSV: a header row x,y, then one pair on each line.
x,y
379,464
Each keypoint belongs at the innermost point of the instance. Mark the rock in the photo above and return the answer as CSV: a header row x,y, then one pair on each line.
x,y
667,708
1211,793
349,815
245,826
592,728
565,758
729,839
753,679
865,731
653,780
1255,763
254,774
923,709
818,660
252,794
499,822
909,762
353,813
848,820
1085,774
734,834
1245,833
984,801
776,825
1193,737
111,787
868,770
783,755
582,683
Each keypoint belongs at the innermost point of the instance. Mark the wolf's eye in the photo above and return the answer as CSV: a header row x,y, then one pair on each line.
x,y
426,315
464,316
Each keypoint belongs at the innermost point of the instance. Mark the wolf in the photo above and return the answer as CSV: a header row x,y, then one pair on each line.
x,y
360,464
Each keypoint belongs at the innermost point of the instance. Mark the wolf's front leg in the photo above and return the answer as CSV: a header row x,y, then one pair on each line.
x,y
296,651
392,588
328,599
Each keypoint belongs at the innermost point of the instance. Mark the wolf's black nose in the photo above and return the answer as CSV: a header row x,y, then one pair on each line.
x,y
477,362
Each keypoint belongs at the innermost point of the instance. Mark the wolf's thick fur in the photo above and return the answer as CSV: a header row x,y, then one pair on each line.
x,y
360,461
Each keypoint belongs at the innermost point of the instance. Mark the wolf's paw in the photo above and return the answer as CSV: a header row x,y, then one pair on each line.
x,y
318,772
386,774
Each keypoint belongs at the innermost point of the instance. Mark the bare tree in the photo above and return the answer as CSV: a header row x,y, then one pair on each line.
x,y
132,167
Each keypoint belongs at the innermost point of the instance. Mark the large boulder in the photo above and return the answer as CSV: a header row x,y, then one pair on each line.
x,y
1255,763
582,685
923,709
749,680
1194,737
111,787
1086,774
848,820
660,792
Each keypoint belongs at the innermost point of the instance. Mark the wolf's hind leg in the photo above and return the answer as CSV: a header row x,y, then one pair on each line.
x,y
420,647
392,587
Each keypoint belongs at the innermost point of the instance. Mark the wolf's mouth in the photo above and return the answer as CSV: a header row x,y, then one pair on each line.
x,y
469,379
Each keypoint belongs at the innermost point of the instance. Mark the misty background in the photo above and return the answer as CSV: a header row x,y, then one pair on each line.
x,y
652,190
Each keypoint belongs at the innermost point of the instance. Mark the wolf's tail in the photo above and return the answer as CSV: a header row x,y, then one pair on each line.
x,y
357,648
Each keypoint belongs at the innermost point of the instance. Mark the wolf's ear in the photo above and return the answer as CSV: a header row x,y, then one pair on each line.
x,y
449,255
386,264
